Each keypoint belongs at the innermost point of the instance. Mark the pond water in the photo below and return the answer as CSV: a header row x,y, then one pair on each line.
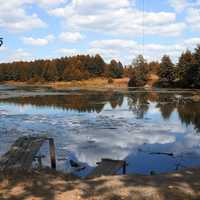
x,y
154,131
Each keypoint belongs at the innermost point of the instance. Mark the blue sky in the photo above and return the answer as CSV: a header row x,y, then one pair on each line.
x,y
34,29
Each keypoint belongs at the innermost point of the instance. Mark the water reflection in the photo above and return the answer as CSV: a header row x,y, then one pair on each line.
x,y
86,101
92,125
138,103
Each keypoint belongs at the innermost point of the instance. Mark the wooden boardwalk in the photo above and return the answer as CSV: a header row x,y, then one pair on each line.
x,y
24,151
108,167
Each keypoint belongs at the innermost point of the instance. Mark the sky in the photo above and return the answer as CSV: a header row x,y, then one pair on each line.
x,y
115,29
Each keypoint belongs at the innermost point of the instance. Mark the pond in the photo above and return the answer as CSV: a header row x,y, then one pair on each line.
x,y
154,131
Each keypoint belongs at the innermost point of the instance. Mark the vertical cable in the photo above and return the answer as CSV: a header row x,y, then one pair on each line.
x,y
143,15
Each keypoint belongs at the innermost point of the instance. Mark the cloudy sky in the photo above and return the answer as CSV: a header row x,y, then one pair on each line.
x,y
35,29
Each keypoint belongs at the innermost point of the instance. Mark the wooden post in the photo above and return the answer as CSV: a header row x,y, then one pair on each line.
x,y
52,153
124,168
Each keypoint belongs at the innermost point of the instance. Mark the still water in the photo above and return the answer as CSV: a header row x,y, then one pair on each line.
x,y
154,131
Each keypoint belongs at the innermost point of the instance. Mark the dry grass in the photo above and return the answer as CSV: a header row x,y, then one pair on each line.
x,y
48,185
91,83
152,79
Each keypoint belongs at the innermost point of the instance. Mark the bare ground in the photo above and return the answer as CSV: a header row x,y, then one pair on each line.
x,y
48,185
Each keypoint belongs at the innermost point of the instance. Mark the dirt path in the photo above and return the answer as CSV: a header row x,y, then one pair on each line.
x,y
56,186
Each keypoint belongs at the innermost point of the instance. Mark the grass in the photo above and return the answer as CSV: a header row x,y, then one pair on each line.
x,y
90,83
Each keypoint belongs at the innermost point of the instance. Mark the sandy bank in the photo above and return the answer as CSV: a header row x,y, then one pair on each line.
x,y
56,186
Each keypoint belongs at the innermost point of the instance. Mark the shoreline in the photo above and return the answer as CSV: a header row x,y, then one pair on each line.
x,y
101,83
95,83
51,185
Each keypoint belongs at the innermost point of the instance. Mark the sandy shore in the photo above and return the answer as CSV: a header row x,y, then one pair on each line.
x,y
48,185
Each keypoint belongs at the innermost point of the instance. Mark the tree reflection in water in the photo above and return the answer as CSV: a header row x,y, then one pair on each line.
x,y
138,102
188,111
85,101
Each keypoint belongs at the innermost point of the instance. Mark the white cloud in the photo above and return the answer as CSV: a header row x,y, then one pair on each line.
x,y
70,37
178,5
193,18
38,41
19,55
192,10
117,17
49,3
94,6
3,48
13,16
67,52
192,41
126,50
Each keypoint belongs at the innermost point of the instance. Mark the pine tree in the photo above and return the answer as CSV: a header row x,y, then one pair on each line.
x,y
195,69
184,67
167,71
115,69
139,73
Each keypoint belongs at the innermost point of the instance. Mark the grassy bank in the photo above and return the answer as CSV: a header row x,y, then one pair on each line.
x,y
48,185
91,83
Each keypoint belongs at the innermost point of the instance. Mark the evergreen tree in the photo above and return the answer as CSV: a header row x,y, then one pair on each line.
x,y
195,69
115,69
139,73
167,71
184,67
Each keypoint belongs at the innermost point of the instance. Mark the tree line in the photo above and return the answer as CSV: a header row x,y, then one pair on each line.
x,y
184,74
64,69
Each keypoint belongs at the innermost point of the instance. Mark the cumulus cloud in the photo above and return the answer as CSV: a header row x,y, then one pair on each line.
x,y
192,10
67,52
117,17
178,5
192,41
19,55
49,3
193,18
126,50
70,37
38,41
115,26
13,16
3,48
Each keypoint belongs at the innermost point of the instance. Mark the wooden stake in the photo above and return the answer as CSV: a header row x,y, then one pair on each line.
x,y
52,153
124,168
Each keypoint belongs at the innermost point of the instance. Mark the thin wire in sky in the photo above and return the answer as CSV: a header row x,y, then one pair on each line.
x,y
143,31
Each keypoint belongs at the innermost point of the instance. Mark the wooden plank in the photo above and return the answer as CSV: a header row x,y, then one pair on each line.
x,y
108,167
31,152
21,153
10,156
